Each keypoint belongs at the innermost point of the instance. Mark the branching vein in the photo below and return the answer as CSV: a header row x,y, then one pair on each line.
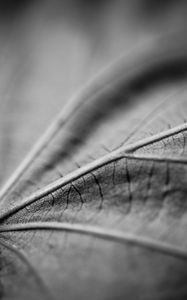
x,y
103,233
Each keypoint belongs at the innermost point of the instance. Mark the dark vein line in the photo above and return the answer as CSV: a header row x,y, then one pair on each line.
x,y
19,253
184,144
167,175
110,234
114,173
150,175
79,173
167,181
53,200
77,190
67,197
100,189
129,187
164,144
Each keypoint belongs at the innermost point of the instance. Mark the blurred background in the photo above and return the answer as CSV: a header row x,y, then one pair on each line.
x,y
56,45
50,48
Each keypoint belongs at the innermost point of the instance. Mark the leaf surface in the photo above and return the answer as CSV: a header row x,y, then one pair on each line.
x,y
97,209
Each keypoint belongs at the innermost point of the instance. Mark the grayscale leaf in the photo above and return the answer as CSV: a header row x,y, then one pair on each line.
x,y
97,209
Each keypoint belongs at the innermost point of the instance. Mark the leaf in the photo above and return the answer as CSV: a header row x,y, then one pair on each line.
x,y
97,208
